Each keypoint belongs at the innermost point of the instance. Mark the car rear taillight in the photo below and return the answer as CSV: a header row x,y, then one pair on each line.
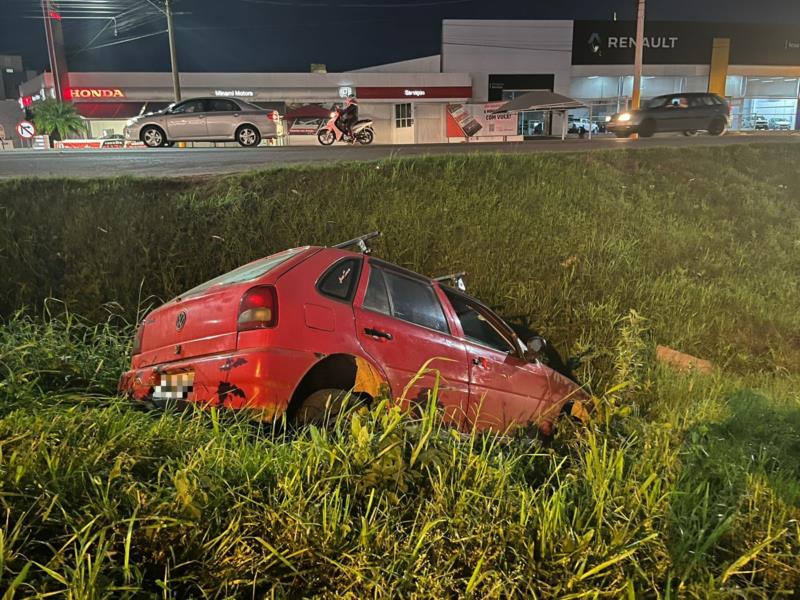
x,y
137,339
258,309
273,115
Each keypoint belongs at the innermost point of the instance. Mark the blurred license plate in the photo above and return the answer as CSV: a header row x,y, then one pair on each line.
x,y
174,386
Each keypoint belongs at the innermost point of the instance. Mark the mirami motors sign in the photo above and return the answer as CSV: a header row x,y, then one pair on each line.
x,y
667,42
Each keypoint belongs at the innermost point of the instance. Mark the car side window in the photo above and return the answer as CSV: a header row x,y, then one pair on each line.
x,y
220,105
377,298
340,280
191,106
678,102
477,328
699,101
404,298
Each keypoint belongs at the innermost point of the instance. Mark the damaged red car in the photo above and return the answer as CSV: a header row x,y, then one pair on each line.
x,y
292,333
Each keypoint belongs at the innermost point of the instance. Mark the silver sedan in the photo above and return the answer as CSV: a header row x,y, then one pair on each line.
x,y
206,120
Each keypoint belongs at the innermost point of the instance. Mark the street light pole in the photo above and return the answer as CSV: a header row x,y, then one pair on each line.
x,y
637,62
176,82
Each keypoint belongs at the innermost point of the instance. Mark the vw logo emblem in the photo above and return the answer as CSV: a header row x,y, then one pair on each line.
x,y
181,320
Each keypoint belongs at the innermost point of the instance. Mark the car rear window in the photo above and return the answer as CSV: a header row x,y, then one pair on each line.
x,y
247,272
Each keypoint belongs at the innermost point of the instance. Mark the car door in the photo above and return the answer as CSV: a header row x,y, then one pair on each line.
x,y
221,118
187,121
700,113
506,391
401,324
675,116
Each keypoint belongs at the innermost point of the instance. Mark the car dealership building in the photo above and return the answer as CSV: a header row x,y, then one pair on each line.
x,y
406,107
593,61
757,67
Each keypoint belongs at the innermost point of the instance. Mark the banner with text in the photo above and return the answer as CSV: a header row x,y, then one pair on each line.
x,y
479,120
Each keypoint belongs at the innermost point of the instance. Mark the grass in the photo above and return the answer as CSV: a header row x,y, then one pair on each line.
x,y
683,486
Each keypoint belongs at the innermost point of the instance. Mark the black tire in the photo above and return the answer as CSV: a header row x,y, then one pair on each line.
x,y
690,132
153,136
365,136
717,127
326,137
248,136
322,407
647,128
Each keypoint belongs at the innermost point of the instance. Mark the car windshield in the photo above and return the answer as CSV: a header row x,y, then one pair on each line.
x,y
248,272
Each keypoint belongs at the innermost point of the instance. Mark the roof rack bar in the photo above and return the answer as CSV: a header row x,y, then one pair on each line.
x,y
360,241
457,279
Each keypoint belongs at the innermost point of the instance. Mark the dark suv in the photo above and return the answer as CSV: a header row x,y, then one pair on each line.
x,y
687,113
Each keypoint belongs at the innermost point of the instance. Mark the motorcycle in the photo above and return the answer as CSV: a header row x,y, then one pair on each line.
x,y
330,132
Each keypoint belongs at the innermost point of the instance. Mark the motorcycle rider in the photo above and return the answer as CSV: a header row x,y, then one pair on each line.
x,y
348,117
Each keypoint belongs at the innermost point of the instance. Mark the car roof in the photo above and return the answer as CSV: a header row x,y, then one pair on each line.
x,y
211,98
686,94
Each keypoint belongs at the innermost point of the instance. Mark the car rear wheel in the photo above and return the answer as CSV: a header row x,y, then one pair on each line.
x,y
153,137
248,136
647,128
323,407
717,127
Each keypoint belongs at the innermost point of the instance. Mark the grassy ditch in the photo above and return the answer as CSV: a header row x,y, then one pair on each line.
x,y
683,486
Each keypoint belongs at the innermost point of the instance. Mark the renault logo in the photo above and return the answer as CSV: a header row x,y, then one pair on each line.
x,y
181,320
595,42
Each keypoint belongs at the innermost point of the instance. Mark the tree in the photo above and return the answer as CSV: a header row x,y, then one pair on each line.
x,y
58,119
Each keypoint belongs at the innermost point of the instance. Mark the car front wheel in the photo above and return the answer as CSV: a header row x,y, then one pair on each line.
x,y
647,128
248,136
153,137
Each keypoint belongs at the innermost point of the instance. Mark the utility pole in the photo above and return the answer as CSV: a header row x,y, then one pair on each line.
x,y
176,82
637,61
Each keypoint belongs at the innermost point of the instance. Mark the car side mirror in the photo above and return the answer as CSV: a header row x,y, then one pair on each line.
x,y
536,344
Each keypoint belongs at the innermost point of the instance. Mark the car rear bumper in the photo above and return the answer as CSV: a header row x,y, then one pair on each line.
x,y
259,381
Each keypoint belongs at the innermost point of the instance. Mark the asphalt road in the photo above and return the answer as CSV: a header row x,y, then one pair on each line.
x,y
202,161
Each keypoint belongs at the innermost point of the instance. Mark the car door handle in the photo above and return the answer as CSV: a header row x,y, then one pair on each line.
x,y
479,362
377,333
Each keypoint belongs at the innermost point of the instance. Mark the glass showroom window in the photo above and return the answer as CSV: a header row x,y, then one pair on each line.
x,y
402,116
770,103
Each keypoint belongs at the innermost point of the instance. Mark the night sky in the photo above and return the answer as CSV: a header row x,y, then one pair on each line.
x,y
289,35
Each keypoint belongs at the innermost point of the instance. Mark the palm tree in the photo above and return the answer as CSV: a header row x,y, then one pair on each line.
x,y
58,119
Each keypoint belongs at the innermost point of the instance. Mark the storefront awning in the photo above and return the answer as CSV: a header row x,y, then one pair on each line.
x,y
540,100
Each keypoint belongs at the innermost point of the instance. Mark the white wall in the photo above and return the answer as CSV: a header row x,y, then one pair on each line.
x,y
482,48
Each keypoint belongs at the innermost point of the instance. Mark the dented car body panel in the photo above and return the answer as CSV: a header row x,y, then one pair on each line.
x,y
267,335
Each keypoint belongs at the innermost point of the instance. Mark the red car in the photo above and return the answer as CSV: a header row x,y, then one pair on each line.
x,y
294,331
